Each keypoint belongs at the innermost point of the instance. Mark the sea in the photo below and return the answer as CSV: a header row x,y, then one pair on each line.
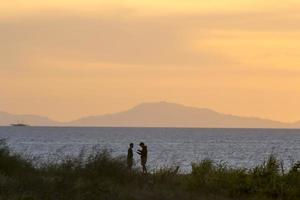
x,y
167,147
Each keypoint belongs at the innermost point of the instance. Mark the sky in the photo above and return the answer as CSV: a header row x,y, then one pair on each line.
x,y
71,58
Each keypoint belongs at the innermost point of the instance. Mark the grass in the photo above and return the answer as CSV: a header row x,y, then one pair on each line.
x,y
101,176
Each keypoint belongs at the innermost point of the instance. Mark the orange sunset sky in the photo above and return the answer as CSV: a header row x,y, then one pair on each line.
x,y
70,58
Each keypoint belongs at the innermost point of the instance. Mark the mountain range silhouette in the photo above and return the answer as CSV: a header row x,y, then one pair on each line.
x,y
158,114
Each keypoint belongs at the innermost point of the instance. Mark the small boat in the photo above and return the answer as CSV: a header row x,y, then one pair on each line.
x,y
19,124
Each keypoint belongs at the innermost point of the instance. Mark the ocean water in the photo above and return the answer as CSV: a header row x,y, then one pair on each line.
x,y
166,146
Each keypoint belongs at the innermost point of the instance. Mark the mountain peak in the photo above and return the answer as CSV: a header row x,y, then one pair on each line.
x,y
167,107
166,114
160,104
156,114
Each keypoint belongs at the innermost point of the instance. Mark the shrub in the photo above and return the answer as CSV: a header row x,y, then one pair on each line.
x,y
98,175
12,164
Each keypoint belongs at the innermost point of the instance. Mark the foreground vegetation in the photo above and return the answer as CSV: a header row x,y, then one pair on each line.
x,y
100,176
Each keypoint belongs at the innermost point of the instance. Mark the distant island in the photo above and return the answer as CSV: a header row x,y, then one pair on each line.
x,y
158,114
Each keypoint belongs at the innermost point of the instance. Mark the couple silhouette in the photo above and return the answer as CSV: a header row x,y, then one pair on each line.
x,y
143,152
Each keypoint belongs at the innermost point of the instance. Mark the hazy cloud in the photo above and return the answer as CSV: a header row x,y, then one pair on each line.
x,y
127,39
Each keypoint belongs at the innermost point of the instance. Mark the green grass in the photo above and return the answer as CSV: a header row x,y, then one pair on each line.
x,y
101,176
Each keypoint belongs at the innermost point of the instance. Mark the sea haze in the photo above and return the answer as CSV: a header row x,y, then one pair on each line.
x,y
167,146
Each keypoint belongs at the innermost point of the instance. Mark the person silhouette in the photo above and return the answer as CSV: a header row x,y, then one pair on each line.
x,y
143,153
130,156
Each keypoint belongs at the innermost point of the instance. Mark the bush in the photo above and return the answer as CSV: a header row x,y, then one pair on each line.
x,y
264,181
12,164
101,176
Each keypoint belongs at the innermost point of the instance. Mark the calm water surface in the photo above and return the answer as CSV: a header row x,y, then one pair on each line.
x,y
166,146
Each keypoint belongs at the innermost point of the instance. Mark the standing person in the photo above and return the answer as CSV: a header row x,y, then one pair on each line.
x,y
130,156
143,153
